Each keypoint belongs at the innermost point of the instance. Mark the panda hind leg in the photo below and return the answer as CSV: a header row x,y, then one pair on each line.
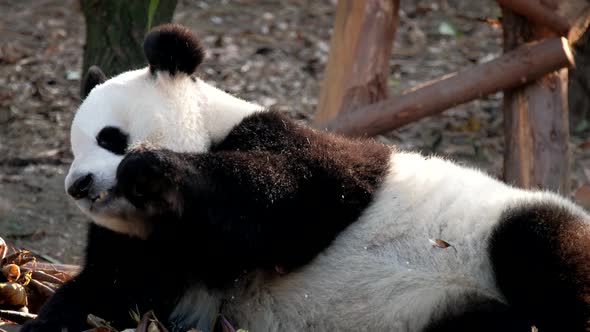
x,y
541,258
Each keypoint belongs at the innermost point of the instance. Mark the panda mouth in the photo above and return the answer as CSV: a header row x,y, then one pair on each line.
x,y
101,196
101,199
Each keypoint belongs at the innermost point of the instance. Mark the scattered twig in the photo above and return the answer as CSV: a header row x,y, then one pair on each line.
x,y
17,316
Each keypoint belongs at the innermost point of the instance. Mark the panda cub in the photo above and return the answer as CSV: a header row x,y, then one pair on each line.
x,y
204,205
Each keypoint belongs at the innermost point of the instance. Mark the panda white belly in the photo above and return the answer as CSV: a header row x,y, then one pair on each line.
x,y
383,272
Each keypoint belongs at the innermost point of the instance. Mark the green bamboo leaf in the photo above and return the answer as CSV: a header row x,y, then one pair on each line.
x,y
151,13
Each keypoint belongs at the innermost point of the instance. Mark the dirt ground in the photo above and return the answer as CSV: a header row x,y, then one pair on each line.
x,y
272,52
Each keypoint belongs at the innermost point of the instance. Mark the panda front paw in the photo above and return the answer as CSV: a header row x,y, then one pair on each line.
x,y
147,178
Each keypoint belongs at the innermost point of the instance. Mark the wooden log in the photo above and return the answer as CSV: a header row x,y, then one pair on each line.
x,y
539,12
360,48
536,128
515,68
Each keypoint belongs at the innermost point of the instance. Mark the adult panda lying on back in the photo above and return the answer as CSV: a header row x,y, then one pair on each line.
x,y
204,205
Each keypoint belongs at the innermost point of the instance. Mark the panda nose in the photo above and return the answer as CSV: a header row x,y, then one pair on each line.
x,y
80,188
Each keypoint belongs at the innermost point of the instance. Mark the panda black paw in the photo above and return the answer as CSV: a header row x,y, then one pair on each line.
x,y
147,178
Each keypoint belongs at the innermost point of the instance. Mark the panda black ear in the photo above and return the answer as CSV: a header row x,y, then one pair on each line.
x,y
173,48
93,77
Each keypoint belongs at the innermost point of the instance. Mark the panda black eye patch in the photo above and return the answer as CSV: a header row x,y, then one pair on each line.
x,y
112,139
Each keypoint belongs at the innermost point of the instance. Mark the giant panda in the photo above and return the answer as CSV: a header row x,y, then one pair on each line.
x,y
207,208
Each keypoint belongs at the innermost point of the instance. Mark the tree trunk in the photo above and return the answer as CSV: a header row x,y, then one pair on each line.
x,y
535,119
115,30
360,48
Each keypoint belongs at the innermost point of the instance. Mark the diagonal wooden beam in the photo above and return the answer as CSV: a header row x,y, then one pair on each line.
x,y
518,67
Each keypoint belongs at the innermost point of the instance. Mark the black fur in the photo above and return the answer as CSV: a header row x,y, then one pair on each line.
x,y
540,254
113,139
122,274
173,48
271,194
93,77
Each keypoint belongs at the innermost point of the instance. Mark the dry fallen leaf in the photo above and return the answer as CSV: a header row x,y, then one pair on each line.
x,y
440,243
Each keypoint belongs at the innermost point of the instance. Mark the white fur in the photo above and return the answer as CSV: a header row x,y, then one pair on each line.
x,y
168,111
382,273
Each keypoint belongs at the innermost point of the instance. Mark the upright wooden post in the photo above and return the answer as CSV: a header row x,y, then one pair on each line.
x,y
360,48
536,125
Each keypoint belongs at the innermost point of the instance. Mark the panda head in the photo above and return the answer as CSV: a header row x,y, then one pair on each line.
x,y
163,105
